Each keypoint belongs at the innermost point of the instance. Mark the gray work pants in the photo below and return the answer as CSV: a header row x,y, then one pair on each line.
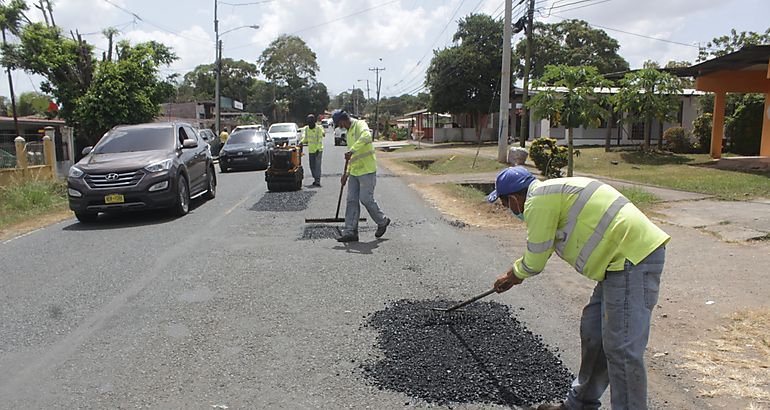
x,y
315,165
361,188
614,331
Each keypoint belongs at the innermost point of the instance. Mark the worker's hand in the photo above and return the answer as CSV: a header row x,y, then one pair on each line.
x,y
348,155
344,179
506,281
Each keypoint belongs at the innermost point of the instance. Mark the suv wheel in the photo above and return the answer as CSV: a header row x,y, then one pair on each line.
x,y
87,217
212,185
182,206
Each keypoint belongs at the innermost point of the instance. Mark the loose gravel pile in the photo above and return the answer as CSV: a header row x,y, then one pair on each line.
x,y
481,354
293,201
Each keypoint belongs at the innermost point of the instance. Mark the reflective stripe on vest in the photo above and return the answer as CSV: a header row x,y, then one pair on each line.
x,y
539,247
529,270
599,231
361,155
562,236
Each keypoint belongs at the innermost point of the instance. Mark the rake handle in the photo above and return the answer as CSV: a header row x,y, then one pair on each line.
x,y
471,300
342,187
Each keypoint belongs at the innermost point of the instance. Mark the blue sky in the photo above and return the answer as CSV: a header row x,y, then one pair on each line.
x,y
351,36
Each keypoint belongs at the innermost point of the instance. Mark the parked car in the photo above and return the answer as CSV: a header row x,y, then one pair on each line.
x,y
340,136
215,144
326,122
247,148
249,126
284,133
144,166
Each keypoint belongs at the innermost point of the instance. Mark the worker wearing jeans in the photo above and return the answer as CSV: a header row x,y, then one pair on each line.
x,y
601,234
313,136
363,177
614,330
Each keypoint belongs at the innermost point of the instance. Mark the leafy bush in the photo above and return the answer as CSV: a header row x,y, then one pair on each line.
x,y
701,129
744,128
549,157
678,140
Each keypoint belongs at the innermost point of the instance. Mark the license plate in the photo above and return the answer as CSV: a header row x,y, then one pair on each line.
x,y
240,159
114,199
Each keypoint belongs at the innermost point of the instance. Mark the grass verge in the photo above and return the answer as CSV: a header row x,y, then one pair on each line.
x,y
31,199
678,171
737,363
452,164
643,200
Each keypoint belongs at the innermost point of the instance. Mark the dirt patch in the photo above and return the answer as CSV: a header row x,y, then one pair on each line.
x,y
463,357
475,214
37,222
737,363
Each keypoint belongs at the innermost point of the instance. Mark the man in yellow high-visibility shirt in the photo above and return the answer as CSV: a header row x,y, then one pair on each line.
x,y
606,238
363,177
313,136
223,136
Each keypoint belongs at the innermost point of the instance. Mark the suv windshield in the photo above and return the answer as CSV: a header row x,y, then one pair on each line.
x,y
246,136
282,128
136,139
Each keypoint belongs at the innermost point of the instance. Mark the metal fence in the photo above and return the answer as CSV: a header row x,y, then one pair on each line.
x,y
35,154
7,155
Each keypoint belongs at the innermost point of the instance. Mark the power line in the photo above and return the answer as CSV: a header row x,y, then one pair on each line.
x,y
138,17
632,34
247,4
433,44
579,7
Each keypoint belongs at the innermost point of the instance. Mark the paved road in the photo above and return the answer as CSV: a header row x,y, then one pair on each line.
x,y
226,306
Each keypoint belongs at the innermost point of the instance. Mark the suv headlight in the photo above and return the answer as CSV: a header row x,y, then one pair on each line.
x,y
75,172
164,165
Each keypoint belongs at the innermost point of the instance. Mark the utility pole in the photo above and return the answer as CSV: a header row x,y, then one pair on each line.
x,y
505,86
378,84
13,96
218,48
524,134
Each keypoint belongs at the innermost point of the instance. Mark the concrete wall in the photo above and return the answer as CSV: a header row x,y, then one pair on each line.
x,y
463,135
24,172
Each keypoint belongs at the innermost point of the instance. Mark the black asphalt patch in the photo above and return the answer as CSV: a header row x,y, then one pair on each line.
x,y
481,354
313,232
292,201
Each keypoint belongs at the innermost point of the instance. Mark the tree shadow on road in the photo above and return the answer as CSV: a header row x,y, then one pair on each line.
x,y
363,248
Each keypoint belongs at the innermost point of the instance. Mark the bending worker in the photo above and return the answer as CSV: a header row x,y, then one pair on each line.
x,y
363,177
313,136
607,239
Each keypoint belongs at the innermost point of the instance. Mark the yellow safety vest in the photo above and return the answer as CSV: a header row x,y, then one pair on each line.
x,y
589,224
359,140
314,137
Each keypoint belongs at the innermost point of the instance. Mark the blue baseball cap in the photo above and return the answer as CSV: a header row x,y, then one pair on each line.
x,y
339,115
510,180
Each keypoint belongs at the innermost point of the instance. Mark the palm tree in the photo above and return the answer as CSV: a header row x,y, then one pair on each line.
x,y
11,15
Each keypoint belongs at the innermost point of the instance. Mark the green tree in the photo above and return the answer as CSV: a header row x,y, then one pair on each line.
x,y
312,99
11,16
33,103
288,61
733,42
126,91
743,128
65,64
237,80
465,78
648,94
577,105
570,42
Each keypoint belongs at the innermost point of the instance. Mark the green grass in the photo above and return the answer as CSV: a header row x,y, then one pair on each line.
x,y
465,192
643,200
678,171
452,164
31,199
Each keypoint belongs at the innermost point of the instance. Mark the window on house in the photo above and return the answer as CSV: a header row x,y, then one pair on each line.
x,y
637,131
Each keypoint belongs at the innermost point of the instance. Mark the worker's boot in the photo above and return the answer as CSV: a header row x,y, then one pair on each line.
x,y
348,237
560,406
382,228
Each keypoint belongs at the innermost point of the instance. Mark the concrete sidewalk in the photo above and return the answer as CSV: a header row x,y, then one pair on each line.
x,y
733,221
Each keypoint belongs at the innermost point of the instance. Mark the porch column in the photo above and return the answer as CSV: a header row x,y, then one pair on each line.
x,y
764,146
718,125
